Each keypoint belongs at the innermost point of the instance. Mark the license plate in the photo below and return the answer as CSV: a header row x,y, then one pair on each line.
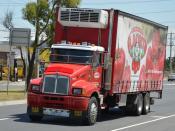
x,y
35,109
56,112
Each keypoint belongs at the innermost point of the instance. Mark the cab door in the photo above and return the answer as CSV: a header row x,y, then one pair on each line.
x,y
97,69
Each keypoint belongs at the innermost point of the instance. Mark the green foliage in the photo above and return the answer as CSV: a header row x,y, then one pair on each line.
x,y
34,11
70,3
167,64
41,14
29,13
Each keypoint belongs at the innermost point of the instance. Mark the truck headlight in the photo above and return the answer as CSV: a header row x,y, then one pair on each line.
x,y
77,91
36,88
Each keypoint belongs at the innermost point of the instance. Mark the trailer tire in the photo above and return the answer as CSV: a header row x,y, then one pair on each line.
x,y
134,104
146,103
130,103
138,105
92,112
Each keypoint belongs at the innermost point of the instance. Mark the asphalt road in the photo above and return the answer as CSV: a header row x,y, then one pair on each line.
x,y
161,118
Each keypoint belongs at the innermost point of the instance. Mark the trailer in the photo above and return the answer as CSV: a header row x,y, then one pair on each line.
x,y
100,59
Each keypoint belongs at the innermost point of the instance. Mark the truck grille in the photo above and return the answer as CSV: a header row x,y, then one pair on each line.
x,y
56,84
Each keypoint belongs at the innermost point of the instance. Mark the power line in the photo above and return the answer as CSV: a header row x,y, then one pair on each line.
x,y
127,2
4,30
156,12
168,22
1,18
12,4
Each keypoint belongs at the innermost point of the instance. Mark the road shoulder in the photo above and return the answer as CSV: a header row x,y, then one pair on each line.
x,y
14,102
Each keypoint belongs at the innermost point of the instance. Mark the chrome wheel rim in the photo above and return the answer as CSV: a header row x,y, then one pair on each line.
x,y
93,112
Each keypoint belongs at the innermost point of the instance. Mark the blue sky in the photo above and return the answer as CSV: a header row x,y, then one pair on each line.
x,y
16,7
161,11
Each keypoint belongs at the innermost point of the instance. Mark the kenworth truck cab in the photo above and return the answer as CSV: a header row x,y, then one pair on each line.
x,y
101,59
73,76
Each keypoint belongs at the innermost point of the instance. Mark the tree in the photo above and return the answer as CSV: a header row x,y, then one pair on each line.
x,y
167,64
7,21
8,24
41,14
69,3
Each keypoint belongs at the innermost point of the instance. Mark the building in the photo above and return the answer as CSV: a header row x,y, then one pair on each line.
x,y
5,61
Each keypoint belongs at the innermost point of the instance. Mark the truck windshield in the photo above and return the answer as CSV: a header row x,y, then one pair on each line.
x,y
71,56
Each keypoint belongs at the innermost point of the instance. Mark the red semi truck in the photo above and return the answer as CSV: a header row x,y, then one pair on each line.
x,y
101,59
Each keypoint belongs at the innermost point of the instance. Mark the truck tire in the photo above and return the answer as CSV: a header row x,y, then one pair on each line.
x,y
123,108
146,103
35,118
130,103
105,111
138,105
134,104
92,112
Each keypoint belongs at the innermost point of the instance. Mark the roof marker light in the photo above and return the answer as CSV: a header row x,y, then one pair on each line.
x,y
84,43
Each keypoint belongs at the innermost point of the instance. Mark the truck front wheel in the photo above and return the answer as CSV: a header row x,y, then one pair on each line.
x,y
92,111
35,118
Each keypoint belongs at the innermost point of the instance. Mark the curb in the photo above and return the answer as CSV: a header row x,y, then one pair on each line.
x,y
15,102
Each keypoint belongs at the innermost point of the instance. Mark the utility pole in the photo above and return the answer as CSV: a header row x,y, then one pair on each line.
x,y
10,59
171,45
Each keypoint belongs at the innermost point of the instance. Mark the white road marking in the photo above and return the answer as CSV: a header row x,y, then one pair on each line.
x,y
156,116
143,123
3,119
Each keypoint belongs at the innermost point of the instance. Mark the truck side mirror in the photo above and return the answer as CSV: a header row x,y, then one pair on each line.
x,y
106,60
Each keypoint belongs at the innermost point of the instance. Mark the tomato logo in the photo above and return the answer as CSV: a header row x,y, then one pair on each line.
x,y
137,47
119,64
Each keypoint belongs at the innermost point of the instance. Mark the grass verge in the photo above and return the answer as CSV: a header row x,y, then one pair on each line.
x,y
12,95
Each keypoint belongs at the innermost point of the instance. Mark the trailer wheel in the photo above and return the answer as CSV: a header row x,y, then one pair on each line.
x,y
92,111
134,104
146,103
138,105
